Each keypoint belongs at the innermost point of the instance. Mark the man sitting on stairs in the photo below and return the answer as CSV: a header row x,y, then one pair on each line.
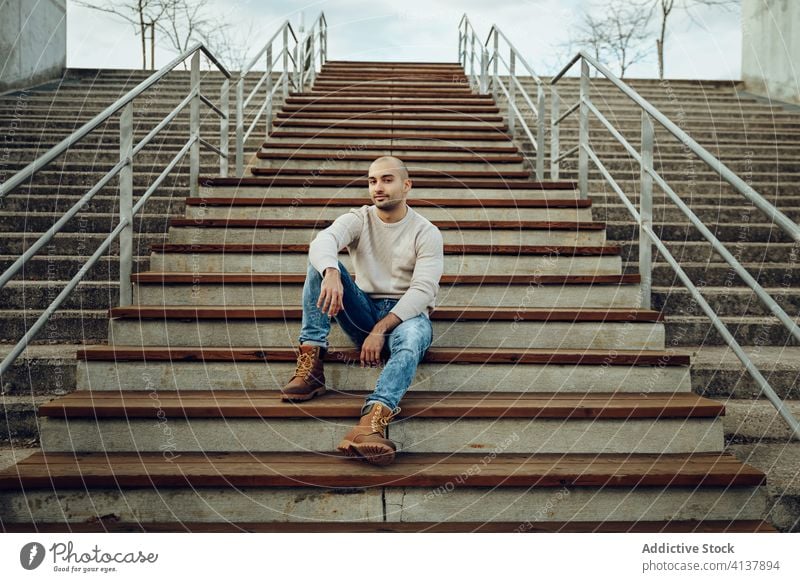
x,y
398,259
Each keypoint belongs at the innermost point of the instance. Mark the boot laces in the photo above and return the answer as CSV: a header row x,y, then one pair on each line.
x,y
379,423
304,365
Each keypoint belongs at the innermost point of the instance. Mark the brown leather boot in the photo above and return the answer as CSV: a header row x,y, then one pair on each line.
x,y
309,378
367,440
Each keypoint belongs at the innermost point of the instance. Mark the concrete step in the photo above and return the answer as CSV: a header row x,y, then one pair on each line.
x,y
298,231
115,368
63,267
458,259
434,422
76,243
273,289
698,251
756,420
727,205
505,291
228,326
417,487
751,331
494,166
293,190
718,373
779,461
568,209
91,325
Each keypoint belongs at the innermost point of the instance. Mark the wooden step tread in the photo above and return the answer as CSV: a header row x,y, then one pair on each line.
x,y
396,108
336,404
419,174
449,249
441,224
350,355
250,312
379,115
396,134
69,470
405,99
408,158
299,278
388,126
706,526
299,146
311,180
414,202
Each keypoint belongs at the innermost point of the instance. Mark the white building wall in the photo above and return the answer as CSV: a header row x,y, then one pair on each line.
x,y
33,41
771,48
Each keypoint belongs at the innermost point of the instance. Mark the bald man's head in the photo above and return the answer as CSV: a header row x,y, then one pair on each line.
x,y
390,163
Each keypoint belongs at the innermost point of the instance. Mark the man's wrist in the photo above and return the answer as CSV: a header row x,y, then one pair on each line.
x,y
330,271
387,324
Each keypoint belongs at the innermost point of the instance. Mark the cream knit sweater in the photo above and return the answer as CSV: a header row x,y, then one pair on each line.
x,y
402,260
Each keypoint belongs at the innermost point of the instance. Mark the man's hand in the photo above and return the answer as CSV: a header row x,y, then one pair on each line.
x,y
331,292
371,348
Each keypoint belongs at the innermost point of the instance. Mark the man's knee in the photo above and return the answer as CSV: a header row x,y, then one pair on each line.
x,y
413,335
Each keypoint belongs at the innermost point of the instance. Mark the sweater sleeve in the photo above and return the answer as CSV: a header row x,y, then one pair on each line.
x,y
324,249
425,278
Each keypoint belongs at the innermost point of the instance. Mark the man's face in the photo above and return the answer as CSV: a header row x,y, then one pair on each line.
x,y
387,188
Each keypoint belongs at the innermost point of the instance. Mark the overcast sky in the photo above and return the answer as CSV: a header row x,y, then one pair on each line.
x,y
706,44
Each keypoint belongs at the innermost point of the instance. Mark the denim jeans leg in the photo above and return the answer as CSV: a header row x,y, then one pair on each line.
x,y
316,325
357,314
408,343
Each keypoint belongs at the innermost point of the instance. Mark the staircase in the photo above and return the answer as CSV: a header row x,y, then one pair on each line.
x,y
548,402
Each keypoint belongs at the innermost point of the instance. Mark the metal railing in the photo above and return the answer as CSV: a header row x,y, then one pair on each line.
x,y
467,39
303,56
123,169
643,216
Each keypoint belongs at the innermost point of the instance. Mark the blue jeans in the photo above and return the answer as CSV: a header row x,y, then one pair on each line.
x,y
407,343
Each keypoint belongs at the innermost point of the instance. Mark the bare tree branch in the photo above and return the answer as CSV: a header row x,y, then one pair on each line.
x,y
142,14
617,35
666,8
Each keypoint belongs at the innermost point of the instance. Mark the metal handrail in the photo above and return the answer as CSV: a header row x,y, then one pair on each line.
x,y
495,58
123,169
644,216
469,37
776,216
302,68
102,117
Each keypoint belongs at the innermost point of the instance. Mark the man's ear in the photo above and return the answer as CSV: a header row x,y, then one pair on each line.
x,y
407,184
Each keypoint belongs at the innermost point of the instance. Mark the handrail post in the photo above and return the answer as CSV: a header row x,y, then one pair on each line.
x,y
224,126
583,133
512,92
240,126
323,43
540,134
194,127
126,205
484,84
460,40
268,84
312,55
285,63
555,128
496,49
296,54
301,55
646,211
472,59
